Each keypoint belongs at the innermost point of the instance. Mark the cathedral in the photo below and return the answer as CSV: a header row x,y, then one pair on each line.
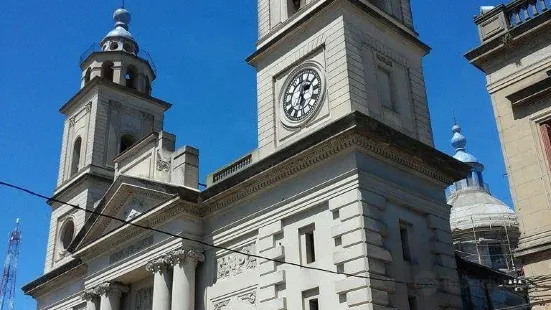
x,y
341,205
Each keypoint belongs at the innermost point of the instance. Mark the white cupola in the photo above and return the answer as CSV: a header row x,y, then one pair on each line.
x,y
118,58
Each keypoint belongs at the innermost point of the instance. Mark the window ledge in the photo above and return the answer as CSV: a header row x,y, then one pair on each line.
x,y
531,93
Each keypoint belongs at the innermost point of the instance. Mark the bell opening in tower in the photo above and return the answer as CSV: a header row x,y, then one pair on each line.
x,y
107,70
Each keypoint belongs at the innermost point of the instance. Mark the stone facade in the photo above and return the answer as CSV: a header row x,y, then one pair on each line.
x,y
514,56
354,191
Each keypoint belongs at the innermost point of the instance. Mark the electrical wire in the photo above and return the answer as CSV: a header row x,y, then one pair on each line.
x,y
36,194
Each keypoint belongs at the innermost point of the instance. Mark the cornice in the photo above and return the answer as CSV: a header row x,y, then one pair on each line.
x,y
331,148
353,132
99,81
54,279
280,32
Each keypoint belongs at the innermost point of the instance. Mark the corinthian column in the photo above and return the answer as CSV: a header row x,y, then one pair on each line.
x,y
110,294
183,284
161,283
91,299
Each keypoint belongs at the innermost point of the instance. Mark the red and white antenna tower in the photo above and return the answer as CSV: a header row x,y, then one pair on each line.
x,y
7,287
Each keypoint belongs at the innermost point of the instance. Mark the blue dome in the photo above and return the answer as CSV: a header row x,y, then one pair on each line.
x,y
459,142
465,157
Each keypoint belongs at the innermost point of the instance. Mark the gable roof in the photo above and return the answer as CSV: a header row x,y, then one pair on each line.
x,y
111,202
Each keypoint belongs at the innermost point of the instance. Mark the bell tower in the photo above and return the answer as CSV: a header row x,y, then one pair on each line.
x,y
319,60
112,110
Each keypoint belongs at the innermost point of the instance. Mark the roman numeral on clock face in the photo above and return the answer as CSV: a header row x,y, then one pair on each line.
x,y
302,94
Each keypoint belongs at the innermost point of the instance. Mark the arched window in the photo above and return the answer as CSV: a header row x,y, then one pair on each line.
x,y
131,77
293,6
107,70
87,76
75,161
67,233
147,86
126,142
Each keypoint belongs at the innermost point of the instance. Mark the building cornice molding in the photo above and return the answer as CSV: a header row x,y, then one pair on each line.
x,y
54,279
360,133
99,81
508,40
291,25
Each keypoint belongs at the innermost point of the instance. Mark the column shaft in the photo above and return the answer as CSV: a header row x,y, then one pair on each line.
x,y
91,305
110,301
183,286
161,290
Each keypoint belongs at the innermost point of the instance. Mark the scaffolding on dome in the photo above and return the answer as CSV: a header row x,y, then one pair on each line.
x,y
490,240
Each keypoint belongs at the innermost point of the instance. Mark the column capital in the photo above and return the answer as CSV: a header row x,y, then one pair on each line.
x,y
111,288
182,256
160,265
89,295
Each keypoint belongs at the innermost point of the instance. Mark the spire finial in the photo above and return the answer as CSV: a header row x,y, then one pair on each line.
x,y
459,142
122,18
122,6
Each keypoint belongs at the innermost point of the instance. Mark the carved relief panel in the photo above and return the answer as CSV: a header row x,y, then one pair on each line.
x,y
241,301
233,264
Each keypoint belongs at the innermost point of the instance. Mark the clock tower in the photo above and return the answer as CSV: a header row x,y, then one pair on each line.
x,y
112,110
318,61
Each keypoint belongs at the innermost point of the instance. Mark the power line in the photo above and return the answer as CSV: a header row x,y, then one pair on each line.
x,y
36,194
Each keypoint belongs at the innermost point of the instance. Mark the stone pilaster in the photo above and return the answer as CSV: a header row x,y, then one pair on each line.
x,y
161,283
110,295
270,277
183,286
445,269
91,298
358,232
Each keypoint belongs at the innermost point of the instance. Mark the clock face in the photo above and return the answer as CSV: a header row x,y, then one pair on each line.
x,y
302,94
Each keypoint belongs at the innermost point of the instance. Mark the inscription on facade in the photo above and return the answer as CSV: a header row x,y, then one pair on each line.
x,y
235,263
140,245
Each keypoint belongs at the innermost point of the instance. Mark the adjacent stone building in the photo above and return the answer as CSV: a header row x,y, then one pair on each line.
x,y
345,178
514,55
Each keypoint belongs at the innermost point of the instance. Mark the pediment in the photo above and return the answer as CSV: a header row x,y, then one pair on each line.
x,y
127,203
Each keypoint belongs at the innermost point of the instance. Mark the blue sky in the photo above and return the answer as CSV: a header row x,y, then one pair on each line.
x,y
199,49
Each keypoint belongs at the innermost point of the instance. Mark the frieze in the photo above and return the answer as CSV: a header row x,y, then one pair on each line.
x,y
234,264
140,245
321,153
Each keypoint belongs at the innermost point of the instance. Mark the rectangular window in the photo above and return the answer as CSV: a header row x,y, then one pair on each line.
x,y
412,302
307,244
310,299
404,238
384,85
294,5
546,135
313,304
496,256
